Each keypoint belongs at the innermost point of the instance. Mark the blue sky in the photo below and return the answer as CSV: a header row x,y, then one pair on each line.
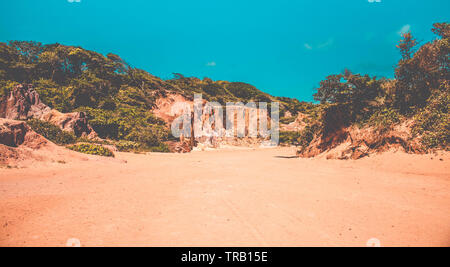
x,y
283,47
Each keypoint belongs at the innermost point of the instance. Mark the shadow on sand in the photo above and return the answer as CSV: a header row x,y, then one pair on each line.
x,y
286,157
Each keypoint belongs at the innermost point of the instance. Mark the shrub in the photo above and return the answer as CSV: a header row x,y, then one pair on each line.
x,y
433,122
52,132
291,138
149,136
124,123
6,87
91,149
384,118
308,134
127,146
161,148
130,146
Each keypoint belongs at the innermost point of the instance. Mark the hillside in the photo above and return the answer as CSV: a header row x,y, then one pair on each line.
x,y
361,115
128,107
117,98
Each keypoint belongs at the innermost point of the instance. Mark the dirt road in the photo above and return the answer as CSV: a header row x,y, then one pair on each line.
x,y
228,198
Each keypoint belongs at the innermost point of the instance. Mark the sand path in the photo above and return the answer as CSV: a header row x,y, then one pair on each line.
x,y
228,198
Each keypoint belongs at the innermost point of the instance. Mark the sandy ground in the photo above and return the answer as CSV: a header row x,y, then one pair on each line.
x,y
228,198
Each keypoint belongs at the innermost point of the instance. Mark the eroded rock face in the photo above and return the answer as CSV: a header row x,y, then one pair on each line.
x,y
17,133
296,126
20,146
355,143
76,122
169,107
12,133
338,139
24,103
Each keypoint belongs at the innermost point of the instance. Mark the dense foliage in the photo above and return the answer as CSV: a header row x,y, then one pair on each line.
x,y
52,132
289,137
116,97
420,90
433,121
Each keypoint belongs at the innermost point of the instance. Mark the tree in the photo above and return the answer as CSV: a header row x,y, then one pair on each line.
x,y
348,88
421,72
332,90
442,30
29,50
49,61
404,93
407,45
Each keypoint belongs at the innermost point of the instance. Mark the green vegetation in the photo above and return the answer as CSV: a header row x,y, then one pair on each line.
x,y
308,134
127,146
52,132
91,149
5,88
433,122
289,137
302,138
130,146
385,118
118,98
161,148
420,91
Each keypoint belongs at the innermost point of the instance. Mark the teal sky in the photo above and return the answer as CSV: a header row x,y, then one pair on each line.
x,y
283,47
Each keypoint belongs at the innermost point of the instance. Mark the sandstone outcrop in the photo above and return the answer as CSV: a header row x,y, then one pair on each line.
x,y
21,147
16,133
355,143
23,102
17,141
206,138
296,126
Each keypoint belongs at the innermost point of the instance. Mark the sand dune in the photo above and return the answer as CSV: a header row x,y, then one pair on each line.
x,y
228,198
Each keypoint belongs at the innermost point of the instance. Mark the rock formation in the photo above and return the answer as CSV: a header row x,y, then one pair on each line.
x,y
24,103
355,143
20,146
16,133
207,138
296,126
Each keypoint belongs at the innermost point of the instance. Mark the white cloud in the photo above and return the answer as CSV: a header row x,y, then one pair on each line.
x,y
404,29
211,64
323,45
374,1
